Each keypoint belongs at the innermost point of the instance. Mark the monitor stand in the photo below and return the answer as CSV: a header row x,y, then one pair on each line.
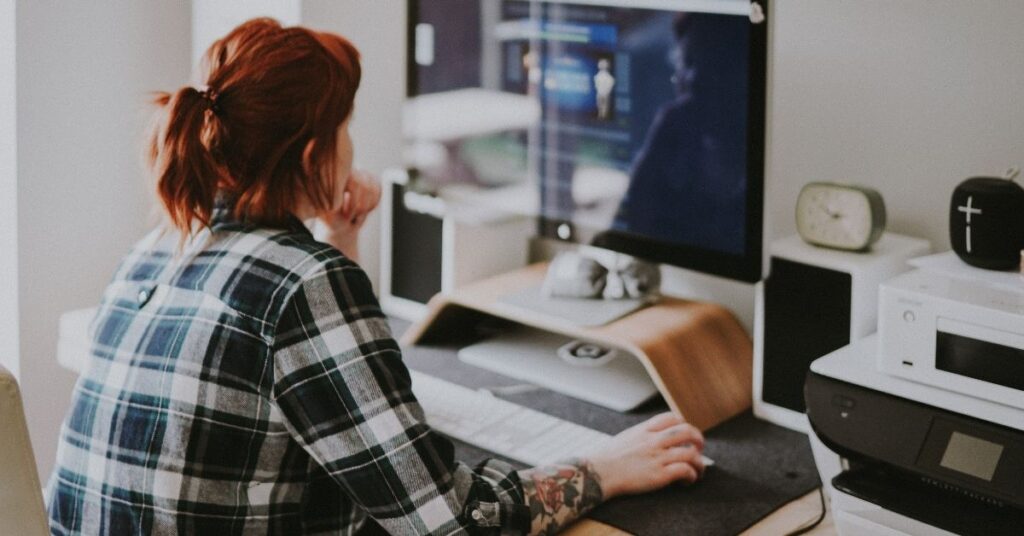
x,y
695,353
533,355
585,312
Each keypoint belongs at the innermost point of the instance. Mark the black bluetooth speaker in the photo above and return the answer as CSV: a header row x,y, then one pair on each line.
x,y
986,222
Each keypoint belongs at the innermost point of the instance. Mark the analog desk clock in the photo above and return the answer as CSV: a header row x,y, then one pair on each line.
x,y
840,216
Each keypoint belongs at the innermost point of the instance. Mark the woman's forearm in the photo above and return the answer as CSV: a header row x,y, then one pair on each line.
x,y
559,494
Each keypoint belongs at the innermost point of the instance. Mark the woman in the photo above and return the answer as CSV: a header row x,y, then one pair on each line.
x,y
243,378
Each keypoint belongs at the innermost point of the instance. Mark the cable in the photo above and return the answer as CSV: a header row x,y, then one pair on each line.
x,y
821,517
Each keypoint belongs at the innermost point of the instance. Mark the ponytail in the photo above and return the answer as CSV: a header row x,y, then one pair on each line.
x,y
187,173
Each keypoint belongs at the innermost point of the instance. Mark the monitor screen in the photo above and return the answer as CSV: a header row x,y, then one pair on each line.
x,y
636,126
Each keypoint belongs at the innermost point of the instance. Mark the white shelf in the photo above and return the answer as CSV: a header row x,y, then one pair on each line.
x,y
464,113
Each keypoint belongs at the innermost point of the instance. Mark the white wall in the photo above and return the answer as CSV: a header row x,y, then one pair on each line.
x,y
909,97
83,74
213,19
8,192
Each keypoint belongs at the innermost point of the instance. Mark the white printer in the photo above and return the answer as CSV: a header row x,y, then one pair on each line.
x,y
961,334
919,430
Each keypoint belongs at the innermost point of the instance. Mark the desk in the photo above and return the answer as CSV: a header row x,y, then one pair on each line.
x,y
782,521
441,361
787,518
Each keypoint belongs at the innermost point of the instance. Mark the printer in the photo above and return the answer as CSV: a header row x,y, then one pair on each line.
x,y
958,333
919,429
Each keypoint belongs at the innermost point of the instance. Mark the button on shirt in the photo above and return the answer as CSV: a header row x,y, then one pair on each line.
x,y
248,383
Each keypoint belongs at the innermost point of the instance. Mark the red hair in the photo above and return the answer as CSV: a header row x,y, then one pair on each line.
x,y
264,130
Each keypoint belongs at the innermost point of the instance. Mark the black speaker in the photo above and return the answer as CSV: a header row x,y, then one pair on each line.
x,y
431,245
986,222
806,315
415,250
815,300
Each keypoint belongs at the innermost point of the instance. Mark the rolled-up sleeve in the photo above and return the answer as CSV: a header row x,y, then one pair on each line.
x,y
347,399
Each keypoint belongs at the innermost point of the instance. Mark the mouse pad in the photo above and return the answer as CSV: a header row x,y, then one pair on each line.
x,y
759,466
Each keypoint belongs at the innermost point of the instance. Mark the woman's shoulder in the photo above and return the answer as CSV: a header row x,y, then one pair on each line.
x,y
252,270
311,262
303,255
317,272
286,257
279,250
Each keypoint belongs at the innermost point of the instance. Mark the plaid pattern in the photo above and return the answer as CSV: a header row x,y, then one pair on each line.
x,y
250,385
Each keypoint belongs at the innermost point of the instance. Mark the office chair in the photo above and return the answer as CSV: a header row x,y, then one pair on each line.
x,y
21,499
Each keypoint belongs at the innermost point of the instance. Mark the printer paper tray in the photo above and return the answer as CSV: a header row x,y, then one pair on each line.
x,y
946,508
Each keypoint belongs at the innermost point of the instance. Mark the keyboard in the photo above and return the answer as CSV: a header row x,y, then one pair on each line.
x,y
505,428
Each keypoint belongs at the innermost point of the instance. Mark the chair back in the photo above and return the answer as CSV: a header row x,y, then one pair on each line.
x,y
21,498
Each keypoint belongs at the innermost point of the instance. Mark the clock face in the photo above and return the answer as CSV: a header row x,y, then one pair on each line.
x,y
838,216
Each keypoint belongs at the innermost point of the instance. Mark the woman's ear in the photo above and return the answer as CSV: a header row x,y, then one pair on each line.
x,y
320,196
307,158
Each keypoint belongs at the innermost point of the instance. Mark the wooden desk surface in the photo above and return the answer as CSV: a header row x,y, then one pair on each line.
x,y
791,516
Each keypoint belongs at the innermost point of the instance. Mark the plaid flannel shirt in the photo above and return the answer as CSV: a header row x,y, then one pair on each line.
x,y
249,383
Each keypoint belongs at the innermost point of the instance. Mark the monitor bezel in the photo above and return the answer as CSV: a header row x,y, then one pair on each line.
x,y
748,267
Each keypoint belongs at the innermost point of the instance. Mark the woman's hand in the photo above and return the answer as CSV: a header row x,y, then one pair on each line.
x,y
649,456
359,198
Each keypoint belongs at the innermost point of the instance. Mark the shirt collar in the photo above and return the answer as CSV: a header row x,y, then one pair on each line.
x,y
223,214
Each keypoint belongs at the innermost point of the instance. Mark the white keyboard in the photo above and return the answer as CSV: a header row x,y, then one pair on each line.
x,y
500,426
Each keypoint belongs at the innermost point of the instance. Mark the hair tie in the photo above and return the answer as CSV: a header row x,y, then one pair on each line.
x,y
211,97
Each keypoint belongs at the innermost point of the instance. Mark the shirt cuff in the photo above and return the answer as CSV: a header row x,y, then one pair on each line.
x,y
509,514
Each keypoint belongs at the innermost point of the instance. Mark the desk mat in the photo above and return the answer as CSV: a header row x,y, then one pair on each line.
x,y
758,466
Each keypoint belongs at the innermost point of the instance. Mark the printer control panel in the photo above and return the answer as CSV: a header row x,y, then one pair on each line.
x,y
964,452
976,456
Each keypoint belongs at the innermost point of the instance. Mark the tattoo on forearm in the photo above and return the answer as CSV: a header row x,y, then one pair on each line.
x,y
558,494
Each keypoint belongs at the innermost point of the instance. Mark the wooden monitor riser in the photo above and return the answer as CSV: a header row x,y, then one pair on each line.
x,y
697,354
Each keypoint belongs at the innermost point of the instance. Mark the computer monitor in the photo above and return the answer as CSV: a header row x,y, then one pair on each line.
x,y
633,125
